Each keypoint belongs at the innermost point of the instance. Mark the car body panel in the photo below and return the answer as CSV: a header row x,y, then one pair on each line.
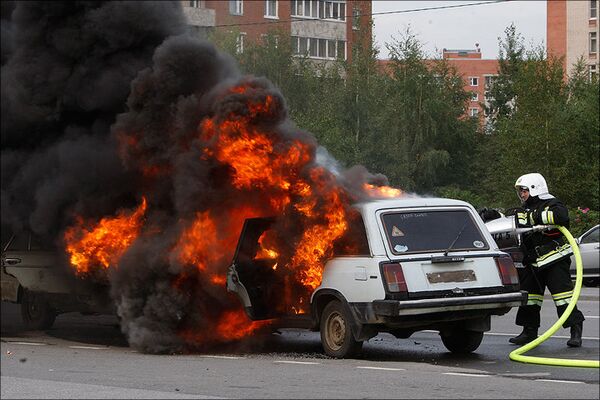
x,y
27,268
358,279
589,248
465,282
38,271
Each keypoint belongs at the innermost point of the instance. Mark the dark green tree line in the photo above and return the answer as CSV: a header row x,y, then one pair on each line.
x,y
407,119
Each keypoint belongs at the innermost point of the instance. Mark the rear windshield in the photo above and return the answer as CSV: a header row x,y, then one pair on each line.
x,y
432,231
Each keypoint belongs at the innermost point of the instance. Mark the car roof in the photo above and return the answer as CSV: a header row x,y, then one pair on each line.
x,y
408,202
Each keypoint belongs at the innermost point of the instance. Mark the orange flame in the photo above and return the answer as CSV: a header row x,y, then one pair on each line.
x,y
381,191
230,325
103,245
234,325
317,242
264,251
196,244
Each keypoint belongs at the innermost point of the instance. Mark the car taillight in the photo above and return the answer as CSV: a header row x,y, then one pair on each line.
x,y
394,277
507,270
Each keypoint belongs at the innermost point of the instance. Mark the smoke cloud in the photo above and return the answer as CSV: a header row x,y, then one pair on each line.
x,y
106,103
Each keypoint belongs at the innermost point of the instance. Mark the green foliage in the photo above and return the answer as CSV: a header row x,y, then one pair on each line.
x,y
408,121
455,192
582,219
542,123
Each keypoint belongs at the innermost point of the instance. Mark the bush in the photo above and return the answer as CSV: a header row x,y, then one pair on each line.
x,y
454,192
582,219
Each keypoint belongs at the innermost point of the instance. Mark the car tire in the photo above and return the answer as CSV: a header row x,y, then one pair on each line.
x,y
336,331
37,314
591,282
461,341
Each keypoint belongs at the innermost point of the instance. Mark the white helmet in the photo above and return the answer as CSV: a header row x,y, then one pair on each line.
x,y
536,184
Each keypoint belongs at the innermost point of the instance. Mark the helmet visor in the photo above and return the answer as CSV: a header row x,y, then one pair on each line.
x,y
521,190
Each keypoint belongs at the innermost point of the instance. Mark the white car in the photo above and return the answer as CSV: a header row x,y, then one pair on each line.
x,y
33,277
423,264
590,256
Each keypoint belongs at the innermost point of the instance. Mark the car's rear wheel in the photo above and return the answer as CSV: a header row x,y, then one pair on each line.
x,y
461,341
336,331
591,282
37,314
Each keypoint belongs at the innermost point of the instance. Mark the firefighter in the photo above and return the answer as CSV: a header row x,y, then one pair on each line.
x,y
547,259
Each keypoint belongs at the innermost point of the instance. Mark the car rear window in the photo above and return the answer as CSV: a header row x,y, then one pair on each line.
x,y
432,231
591,237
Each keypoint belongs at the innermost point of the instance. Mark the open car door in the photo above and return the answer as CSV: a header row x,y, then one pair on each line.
x,y
254,280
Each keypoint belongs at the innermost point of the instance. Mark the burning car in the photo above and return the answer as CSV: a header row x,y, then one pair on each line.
x,y
413,264
32,276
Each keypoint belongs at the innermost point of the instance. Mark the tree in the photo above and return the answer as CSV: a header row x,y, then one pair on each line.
x,y
542,123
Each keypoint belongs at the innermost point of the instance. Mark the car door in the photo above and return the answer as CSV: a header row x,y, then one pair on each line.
x,y
589,247
253,279
34,265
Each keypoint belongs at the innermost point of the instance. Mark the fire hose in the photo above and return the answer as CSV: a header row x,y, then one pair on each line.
x,y
517,355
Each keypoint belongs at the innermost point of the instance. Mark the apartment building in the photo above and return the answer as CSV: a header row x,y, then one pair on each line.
x,y
478,75
323,30
572,32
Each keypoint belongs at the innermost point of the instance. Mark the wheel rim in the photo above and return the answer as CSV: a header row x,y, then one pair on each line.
x,y
336,331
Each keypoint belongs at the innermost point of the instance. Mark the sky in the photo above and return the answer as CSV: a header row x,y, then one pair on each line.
x,y
459,28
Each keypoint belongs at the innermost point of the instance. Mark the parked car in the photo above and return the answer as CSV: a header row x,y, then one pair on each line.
x,y
424,264
589,247
33,276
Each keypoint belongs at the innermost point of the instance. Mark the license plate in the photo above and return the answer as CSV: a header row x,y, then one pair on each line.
x,y
467,275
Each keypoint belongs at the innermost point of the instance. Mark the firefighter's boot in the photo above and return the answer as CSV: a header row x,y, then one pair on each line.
x,y
576,332
529,333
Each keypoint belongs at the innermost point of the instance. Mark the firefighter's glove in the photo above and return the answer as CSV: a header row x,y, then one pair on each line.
x,y
528,218
488,214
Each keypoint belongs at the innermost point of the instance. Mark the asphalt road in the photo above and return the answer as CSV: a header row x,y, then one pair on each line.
x,y
88,357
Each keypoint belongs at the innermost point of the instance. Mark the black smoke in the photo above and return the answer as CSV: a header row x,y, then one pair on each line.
x,y
103,102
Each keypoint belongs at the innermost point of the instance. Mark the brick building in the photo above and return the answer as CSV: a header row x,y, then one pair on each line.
x,y
478,74
572,32
322,29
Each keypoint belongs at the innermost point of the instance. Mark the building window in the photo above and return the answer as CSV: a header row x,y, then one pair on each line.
x,y
236,7
319,48
331,52
593,9
319,9
197,3
356,19
473,112
474,96
341,49
271,8
593,42
473,81
593,70
239,43
489,81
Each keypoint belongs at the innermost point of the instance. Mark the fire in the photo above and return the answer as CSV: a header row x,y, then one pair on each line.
x,y
218,280
264,251
196,244
381,191
235,325
317,243
251,155
258,172
229,326
103,245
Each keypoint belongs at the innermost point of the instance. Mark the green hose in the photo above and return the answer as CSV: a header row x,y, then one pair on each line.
x,y
516,355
